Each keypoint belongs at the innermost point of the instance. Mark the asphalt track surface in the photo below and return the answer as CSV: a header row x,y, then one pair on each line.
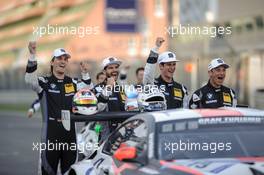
x,y
17,134
18,156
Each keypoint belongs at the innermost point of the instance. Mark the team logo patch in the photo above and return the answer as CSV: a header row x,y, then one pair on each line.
x,y
177,93
226,97
220,61
69,88
195,98
209,96
170,55
62,50
52,85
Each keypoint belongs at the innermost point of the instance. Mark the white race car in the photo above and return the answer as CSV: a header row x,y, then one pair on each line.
x,y
225,141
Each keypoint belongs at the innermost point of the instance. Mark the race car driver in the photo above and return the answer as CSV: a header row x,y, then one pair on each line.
x,y
214,94
110,93
55,93
175,93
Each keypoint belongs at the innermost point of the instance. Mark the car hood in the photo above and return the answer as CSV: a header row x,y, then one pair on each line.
x,y
245,166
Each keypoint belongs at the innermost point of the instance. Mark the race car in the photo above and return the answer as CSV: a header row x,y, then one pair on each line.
x,y
224,141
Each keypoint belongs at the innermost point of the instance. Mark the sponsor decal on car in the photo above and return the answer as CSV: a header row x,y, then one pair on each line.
x,y
229,120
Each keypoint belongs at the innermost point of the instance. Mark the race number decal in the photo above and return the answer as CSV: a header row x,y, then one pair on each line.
x,y
98,162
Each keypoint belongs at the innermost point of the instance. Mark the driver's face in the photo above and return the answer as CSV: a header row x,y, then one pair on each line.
x,y
112,70
168,69
59,64
217,76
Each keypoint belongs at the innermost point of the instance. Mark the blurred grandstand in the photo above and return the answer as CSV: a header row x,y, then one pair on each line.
x,y
131,38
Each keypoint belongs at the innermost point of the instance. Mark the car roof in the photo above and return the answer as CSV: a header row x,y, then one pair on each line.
x,y
177,114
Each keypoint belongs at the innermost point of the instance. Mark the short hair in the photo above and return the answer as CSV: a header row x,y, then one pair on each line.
x,y
139,69
98,75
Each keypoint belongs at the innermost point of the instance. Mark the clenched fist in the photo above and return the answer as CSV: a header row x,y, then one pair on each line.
x,y
110,81
32,47
159,41
30,113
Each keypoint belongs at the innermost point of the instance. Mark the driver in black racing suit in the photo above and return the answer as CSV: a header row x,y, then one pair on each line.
x,y
55,93
175,93
214,94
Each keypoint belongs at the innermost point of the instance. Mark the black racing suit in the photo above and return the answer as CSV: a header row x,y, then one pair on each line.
x,y
114,101
175,93
56,98
211,97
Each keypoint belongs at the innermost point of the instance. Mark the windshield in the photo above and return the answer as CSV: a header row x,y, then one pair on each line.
x,y
210,138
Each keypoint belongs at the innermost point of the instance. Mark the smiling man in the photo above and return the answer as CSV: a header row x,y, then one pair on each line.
x,y
109,93
55,94
175,93
214,94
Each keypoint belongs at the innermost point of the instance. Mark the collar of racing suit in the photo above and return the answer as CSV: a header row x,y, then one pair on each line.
x,y
212,87
160,79
55,79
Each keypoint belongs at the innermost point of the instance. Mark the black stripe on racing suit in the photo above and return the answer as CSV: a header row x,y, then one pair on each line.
x,y
55,96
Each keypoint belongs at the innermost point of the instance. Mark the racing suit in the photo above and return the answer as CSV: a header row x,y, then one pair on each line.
x,y
114,101
175,93
56,100
211,97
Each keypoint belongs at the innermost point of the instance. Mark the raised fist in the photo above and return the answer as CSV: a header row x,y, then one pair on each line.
x,y
32,47
159,41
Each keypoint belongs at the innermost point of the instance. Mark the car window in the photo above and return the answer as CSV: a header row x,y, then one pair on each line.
x,y
130,134
212,137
